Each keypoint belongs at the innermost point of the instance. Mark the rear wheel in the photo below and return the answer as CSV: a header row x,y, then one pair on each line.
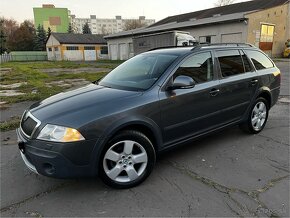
x,y
127,160
257,117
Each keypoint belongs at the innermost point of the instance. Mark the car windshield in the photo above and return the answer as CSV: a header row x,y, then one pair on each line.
x,y
139,73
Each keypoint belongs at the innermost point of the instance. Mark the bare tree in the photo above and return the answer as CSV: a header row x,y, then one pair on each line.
x,y
133,24
220,3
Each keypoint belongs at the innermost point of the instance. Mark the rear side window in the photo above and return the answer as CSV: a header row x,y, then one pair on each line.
x,y
260,60
199,67
231,63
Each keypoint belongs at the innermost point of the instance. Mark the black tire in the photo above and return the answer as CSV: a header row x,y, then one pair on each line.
x,y
140,139
247,126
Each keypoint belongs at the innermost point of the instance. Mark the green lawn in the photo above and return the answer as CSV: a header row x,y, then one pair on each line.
x,y
30,72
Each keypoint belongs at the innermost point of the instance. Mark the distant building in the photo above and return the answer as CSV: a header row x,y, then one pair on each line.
x,y
103,25
57,19
262,23
76,47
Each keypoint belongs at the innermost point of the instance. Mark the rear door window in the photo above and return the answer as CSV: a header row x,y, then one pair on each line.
x,y
259,60
231,62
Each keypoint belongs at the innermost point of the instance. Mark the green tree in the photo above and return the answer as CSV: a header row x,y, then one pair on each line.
x,y
3,47
48,32
86,29
7,33
40,39
22,38
70,29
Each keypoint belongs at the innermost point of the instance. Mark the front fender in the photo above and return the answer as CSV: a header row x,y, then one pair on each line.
x,y
119,125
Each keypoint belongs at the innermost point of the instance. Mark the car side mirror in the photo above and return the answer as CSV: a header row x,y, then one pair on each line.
x,y
182,82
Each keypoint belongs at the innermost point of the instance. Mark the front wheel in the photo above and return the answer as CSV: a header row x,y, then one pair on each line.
x,y
127,160
257,117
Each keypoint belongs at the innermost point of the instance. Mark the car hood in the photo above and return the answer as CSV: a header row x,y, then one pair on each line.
x,y
80,105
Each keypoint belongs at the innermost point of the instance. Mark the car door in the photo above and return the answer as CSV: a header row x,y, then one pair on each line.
x,y
188,112
238,83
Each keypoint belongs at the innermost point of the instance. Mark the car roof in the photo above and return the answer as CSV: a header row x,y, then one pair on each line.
x,y
171,50
191,49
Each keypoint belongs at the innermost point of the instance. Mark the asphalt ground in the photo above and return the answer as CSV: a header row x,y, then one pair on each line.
x,y
226,174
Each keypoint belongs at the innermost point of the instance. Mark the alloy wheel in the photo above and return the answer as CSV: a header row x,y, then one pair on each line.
x,y
125,161
259,116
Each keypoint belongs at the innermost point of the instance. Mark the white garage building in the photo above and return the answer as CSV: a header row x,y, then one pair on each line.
x,y
239,23
76,47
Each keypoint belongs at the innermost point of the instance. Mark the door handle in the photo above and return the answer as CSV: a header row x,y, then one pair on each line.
x,y
254,82
214,92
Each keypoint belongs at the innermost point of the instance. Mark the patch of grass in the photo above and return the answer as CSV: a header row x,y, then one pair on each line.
x,y
42,93
64,64
36,88
87,76
10,124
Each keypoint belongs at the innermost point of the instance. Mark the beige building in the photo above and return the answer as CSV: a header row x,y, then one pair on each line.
x,y
264,23
269,29
76,47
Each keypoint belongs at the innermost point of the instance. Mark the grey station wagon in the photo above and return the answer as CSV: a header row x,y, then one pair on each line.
x,y
114,128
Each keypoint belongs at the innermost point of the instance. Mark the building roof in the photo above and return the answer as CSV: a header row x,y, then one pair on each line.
x,y
228,13
224,10
71,38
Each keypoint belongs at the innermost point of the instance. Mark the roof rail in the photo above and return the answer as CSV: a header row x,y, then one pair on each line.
x,y
201,45
168,47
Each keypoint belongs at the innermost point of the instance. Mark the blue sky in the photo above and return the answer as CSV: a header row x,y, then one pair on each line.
x,y
154,9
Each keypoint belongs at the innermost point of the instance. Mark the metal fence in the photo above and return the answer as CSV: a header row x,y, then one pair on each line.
x,y
24,56
5,58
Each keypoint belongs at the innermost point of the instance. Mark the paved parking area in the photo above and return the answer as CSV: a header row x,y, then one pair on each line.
x,y
227,174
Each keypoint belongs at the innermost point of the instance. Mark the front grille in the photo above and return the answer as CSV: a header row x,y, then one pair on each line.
x,y
28,124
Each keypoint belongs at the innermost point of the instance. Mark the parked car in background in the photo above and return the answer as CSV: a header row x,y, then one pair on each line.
x,y
159,99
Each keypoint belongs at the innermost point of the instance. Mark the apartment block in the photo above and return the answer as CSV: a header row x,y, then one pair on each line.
x,y
105,25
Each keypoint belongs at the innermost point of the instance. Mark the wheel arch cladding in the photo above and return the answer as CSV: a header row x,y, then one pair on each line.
x,y
152,131
266,95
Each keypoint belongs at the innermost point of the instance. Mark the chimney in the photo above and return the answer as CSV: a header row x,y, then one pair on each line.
x,y
48,6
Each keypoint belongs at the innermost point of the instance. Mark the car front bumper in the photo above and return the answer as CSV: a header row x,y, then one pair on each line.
x,y
58,160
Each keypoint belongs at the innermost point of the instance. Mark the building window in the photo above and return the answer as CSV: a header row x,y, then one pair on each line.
x,y
55,48
267,33
70,48
49,49
89,48
205,39
131,48
104,50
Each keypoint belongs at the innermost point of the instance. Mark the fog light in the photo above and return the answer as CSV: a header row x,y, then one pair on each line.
x,y
48,169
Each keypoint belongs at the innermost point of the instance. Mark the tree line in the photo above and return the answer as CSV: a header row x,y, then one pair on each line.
x,y
25,36
21,37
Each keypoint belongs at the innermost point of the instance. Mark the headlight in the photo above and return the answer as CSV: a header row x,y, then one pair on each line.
x,y
59,134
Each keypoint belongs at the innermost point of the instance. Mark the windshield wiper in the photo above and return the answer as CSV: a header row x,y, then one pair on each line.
x,y
96,82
